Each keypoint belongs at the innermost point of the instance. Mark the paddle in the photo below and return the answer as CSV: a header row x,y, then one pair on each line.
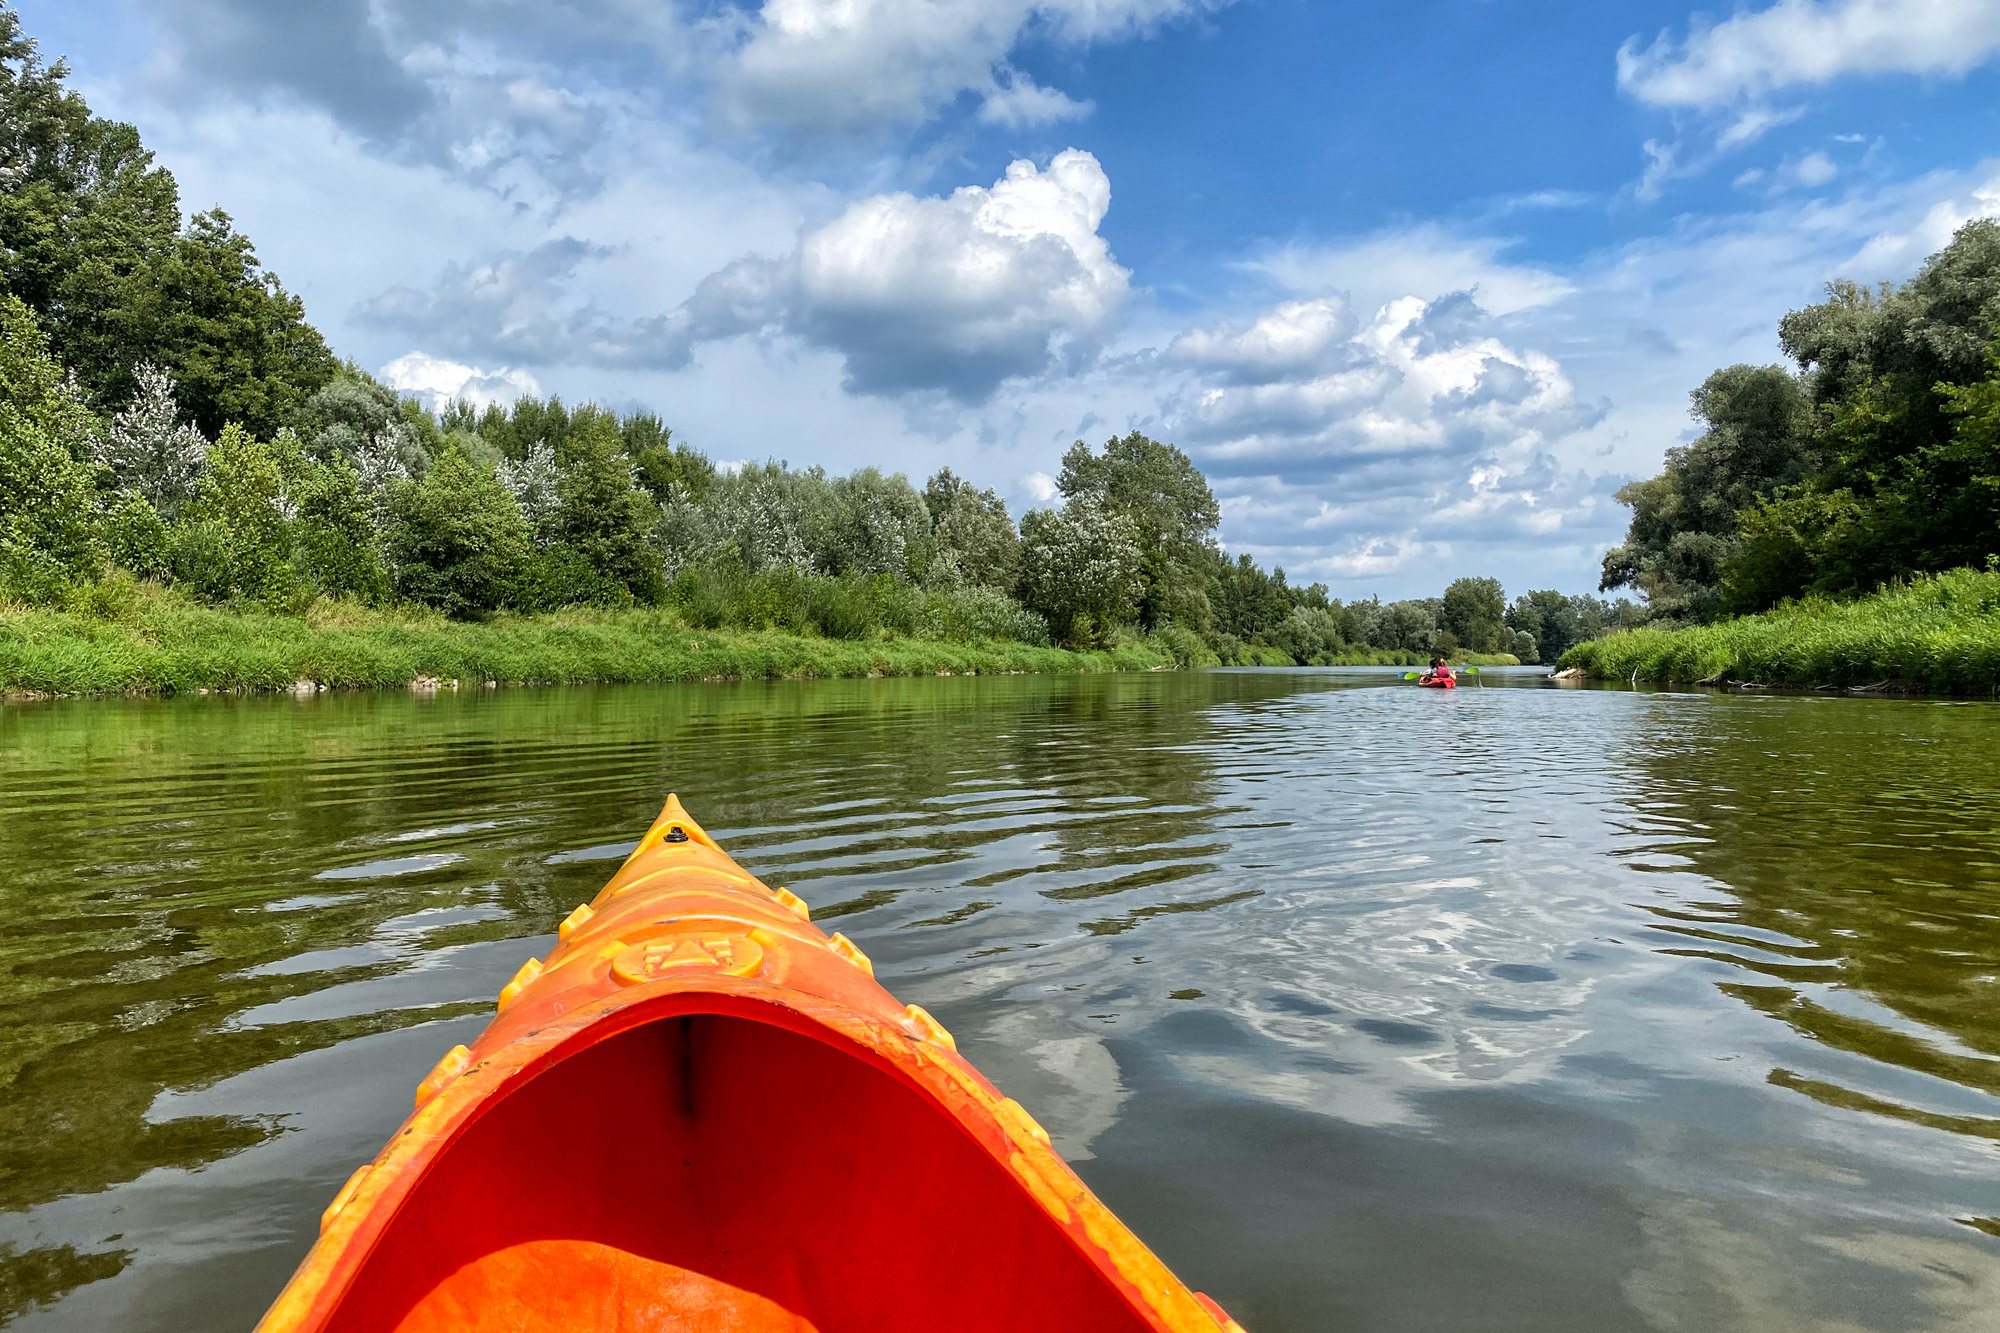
x,y
1463,671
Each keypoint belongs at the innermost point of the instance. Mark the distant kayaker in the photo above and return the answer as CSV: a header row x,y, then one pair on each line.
x,y
1440,669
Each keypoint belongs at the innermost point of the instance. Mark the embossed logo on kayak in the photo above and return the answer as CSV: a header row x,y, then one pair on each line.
x,y
651,960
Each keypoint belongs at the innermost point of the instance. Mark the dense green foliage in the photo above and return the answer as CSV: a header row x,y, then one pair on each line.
x,y
1938,633
1554,622
1877,459
47,485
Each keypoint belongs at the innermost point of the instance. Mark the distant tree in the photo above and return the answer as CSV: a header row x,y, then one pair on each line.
x,y
150,450
1409,626
533,481
1860,469
365,422
972,535
1904,485
1549,618
518,427
1311,635
770,516
881,525
603,515
1080,568
1474,612
1758,440
238,343
662,464
84,216
1933,329
459,542
1158,489
238,539
1247,602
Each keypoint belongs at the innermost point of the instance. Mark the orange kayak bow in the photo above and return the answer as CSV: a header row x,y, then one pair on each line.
x,y
702,1113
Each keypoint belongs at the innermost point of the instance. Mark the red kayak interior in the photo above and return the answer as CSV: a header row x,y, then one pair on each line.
x,y
1437,682
711,1171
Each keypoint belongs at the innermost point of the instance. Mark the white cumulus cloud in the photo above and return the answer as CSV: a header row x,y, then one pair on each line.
x,y
438,383
1373,442
962,292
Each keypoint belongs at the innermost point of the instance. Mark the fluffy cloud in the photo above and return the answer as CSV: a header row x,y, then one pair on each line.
x,y
1803,43
843,65
950,295
438,383
1375,440
963,292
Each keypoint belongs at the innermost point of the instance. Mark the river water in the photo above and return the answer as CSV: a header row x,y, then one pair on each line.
x,y
1368,1007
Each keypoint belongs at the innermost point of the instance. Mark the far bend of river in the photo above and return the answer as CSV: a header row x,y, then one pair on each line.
x,y
1368,1007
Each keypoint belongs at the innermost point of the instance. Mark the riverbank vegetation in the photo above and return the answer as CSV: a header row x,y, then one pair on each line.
x,y
138,638
1873,458
1809,533
1937,634
178,445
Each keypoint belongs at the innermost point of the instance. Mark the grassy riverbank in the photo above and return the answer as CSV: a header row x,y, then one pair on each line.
x,y
1938,634
153,641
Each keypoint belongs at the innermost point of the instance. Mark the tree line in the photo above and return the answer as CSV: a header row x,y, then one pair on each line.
x,y
1872,458
168,414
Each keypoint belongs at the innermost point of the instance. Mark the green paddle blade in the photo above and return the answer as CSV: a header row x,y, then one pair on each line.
x,y
1470,671
1411,675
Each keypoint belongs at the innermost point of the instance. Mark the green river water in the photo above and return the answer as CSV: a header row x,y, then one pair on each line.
x,y
1368,1007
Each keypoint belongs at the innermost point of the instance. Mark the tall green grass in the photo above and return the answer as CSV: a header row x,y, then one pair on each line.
x,y
139,639
1940,634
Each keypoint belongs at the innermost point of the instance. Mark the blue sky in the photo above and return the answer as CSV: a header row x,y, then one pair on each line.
x,y
1419,286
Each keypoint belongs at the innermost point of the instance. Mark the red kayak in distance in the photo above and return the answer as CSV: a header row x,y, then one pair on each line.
x,y
701,1114
1445,682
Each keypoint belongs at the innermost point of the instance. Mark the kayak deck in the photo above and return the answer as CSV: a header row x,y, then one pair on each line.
x,y
702,1113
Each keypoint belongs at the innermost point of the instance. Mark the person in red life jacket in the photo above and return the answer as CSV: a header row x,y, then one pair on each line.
x,y
1440,669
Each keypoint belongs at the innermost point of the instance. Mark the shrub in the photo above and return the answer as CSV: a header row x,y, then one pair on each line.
x,y
970,614
459,542
844,608
198,559
335,546
241,507
701,597
136,537
1184,646
776,599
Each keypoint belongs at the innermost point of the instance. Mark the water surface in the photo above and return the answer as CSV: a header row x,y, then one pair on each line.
x,y
1368,1007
